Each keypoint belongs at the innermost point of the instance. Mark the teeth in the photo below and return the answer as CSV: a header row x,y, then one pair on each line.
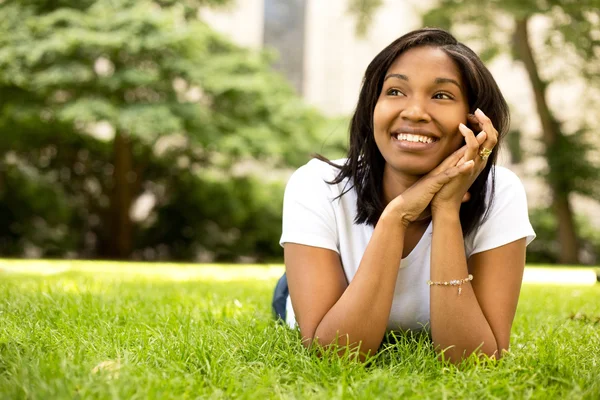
x,y
409,137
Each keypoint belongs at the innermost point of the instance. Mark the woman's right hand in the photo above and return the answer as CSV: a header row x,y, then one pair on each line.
x,y
414,200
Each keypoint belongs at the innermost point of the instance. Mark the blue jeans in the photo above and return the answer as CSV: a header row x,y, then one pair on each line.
x,y
280,297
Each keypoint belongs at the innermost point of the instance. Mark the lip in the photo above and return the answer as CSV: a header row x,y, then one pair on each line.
x,y
412,146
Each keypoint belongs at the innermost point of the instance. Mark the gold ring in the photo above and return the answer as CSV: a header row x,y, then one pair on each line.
x,y
484,153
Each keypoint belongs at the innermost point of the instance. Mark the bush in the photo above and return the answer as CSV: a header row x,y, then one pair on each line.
x,y
216,219
545,248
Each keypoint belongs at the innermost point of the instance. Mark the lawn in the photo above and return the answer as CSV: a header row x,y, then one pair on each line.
x,y
171,331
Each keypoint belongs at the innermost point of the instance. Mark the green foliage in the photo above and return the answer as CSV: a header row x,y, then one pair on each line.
x,y
147,71
573,170
217,218
363,10
76,74
34,212
545,248
172,331
513,143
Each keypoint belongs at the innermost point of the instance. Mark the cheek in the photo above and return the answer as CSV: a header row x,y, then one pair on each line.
x,y
382,116
455,138
377,118
450,122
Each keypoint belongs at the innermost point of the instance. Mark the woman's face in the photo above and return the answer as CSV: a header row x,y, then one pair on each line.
x,y
418,111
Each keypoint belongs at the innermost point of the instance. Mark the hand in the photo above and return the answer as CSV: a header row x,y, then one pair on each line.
x,y
453,194
410,204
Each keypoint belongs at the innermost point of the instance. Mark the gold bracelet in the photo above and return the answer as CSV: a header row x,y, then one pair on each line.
x,y
455,282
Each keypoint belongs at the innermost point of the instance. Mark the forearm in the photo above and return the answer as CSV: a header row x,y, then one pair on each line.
x,y
362,312
457,321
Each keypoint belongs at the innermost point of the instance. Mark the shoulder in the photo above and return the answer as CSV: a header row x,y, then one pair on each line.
x,y
315,173
505,178
508,188
507,217
316,167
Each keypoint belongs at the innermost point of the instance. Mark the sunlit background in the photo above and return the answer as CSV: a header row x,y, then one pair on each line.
x,y
166,130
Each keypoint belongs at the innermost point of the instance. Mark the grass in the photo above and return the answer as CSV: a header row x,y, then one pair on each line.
x,y
137,332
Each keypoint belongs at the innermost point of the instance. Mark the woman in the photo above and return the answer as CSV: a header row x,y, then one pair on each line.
x,y
416,227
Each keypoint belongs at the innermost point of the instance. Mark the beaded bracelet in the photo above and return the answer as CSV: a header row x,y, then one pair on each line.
x,y
455,282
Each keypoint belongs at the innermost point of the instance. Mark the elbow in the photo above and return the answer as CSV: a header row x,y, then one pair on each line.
x,y
456,354
339,345
492,354
308,336
489,349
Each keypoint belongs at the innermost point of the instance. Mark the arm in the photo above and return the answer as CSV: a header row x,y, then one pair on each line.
x,y
481,317
327,308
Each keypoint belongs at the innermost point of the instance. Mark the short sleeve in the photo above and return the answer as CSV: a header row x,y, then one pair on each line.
x,y
508,218
308,209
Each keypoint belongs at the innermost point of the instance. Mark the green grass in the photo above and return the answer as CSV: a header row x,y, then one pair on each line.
x,y
119,331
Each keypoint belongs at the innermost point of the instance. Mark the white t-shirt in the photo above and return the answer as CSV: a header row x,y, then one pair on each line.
x,y
312,216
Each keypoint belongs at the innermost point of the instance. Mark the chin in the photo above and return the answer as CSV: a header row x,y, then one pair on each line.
x,y
414,169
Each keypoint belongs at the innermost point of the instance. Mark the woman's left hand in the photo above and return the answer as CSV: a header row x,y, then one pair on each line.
x,y
454,193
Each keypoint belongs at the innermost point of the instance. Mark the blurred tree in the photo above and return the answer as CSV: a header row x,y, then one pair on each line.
x,y
363,10
573,40
107,100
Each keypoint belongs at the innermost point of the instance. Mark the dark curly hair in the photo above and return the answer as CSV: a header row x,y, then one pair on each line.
x,y
365,164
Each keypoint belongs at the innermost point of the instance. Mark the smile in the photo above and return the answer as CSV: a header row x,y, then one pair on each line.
x,y
409,137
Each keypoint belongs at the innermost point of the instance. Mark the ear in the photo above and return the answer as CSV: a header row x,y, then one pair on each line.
x,y
466,197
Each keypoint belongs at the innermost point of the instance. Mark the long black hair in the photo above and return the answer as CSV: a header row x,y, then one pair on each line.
x,y
365,164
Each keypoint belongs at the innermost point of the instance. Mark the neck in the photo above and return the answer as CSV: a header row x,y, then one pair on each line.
x,y
395,183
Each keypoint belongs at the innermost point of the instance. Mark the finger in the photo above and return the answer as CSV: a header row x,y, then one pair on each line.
x,y
472,143
441,179
450,161
480,139
488,127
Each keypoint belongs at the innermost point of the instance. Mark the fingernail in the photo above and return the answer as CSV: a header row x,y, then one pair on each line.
x,y
469,163
462,126
481,134
478,111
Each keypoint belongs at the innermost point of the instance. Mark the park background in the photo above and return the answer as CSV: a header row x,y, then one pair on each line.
x,y
166,130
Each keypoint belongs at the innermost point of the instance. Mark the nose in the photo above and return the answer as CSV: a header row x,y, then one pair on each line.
x,y
414,111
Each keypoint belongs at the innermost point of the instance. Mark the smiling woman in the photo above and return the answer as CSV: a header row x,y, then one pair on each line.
x,y
416,228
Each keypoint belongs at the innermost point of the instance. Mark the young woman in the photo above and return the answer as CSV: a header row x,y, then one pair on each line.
x,y
417,227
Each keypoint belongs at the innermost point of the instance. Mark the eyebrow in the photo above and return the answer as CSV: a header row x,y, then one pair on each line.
x,y
437,80
447,80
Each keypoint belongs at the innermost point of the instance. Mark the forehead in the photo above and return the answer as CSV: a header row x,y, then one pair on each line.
x,y
425,62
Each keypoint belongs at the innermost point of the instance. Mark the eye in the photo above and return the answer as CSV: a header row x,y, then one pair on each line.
x,y
442,96
394,92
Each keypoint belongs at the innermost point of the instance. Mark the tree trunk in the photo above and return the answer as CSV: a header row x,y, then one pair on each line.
x,y
120,240
567,236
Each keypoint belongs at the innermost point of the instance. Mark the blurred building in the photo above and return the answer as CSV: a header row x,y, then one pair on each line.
x,y
319,51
